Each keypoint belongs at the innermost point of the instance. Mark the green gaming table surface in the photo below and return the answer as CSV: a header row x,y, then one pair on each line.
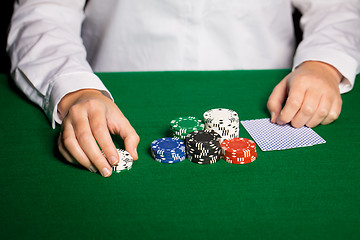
x,y
303,193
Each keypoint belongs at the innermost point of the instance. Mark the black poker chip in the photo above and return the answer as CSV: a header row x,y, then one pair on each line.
x,y
203,147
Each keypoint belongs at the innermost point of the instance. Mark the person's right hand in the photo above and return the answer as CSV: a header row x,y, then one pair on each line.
x,y
89,118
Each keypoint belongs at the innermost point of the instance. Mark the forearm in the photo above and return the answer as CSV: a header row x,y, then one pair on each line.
x,y
330,35
47,54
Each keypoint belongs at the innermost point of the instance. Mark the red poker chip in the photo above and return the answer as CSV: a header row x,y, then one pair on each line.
x,y
240,160
254,154
239,150
236,145
245,153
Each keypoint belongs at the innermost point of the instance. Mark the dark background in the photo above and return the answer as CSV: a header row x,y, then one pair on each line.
x,y
5,15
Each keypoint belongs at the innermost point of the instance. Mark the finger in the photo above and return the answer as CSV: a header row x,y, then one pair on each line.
x,y
131,142
334,111
101,133
71,159
276,99
308,109
64,152
71,150
292,105
89,146
128,134
321,112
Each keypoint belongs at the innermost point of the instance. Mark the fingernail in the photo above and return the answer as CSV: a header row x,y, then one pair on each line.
x,y
135,150
113,160
92,169
105,172
272,116
280,122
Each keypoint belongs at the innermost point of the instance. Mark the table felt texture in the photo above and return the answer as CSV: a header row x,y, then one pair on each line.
x,y
303,193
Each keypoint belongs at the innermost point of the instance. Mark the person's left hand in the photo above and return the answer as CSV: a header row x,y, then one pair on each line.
x,y
312,96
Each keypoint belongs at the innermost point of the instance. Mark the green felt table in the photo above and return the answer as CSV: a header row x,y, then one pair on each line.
x,y
303,193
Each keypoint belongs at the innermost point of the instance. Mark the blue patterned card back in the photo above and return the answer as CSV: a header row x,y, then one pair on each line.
x,y
270,136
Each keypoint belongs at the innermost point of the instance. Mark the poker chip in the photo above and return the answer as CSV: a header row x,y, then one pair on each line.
x,y
223,121
182,126
240,160
125,161
238,150
167,145
203,147
168,150
205,142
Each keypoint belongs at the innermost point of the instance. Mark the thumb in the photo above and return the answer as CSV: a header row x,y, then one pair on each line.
x,y
118,124
131,142
276,99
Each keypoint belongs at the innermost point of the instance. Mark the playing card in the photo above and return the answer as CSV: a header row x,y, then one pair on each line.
x,y
270,136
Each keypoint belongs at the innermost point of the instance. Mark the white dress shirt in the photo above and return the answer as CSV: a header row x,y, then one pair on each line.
x,y
55,45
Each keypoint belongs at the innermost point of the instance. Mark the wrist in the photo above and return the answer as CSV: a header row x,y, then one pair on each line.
x,y
69,99
323,67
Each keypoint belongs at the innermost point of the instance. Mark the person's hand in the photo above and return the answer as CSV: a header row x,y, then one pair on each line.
x,y
89,118
312,96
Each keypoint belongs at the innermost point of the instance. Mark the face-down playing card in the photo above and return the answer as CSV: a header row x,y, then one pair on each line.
x,y
270,136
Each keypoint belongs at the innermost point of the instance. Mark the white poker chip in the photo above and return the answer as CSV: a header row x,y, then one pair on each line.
x,y
125,161
223,121
220,115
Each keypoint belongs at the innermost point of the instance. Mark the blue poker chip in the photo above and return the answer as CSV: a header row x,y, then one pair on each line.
x,y
169,156
167,145
170,160
162,160
168,150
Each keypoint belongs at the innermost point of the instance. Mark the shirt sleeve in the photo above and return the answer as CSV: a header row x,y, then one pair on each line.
x,y
331,35
48,58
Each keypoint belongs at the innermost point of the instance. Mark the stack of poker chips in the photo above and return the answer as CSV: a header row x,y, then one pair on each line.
x,y
125,161
238,150
182,126
203,147
168,150
223,121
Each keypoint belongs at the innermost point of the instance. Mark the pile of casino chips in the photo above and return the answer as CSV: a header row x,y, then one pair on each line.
x,y
168,150
182,126
223,121
203,147
220,139
125,161
238,150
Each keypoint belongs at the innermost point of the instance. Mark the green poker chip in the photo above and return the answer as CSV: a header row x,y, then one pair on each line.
x,y
186,124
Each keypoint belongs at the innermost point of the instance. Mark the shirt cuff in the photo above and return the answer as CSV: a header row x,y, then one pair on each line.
x,y
345,64
68,83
